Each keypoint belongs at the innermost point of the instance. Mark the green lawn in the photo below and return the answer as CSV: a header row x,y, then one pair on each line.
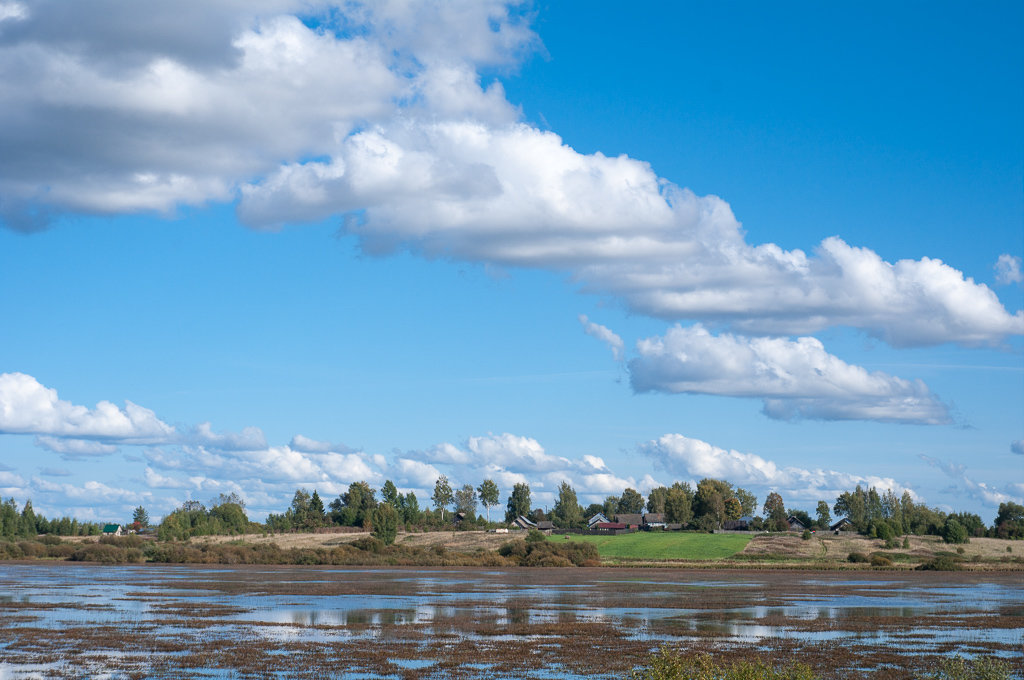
x,y
662,545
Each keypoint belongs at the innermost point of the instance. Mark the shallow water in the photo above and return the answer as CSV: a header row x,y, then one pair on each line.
x,y
70,620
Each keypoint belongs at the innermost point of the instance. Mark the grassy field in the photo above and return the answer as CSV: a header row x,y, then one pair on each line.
x,y
672,545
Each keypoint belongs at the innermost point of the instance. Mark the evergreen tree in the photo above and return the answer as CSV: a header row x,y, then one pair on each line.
x,y
411,509
385,523
140,517
315,514
389,494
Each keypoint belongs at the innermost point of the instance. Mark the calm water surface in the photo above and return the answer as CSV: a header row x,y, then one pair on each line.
x,y
62,620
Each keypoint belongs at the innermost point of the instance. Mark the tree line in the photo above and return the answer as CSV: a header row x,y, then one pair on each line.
x,y
25,523
705,507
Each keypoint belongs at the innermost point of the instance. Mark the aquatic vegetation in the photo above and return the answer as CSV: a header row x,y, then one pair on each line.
x,y
667,664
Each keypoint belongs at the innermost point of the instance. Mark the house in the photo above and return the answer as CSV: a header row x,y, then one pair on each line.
x,y
795,524
545,525
654,520
842,525
597,519
112,530
522,522
610,526
632,520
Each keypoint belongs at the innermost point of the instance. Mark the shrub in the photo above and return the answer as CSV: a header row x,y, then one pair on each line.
x,y
806,535
60,550
880,561
979,668
515,549
954,532
535,536
669,665
857,557
32,549
50,539
104,552
368,544
906,543
940,563
10,551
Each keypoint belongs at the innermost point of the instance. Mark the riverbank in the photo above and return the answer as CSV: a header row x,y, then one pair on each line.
x,y
479,548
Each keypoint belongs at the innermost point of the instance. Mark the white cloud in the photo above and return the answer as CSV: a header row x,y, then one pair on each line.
x,y
92,491
155,480
1017,447
248,439
75,448
415,473
986,493
389,121
236,85
307,445
511,459
1008,269
693,459
605,335
27,407
796,379
514,195
10,479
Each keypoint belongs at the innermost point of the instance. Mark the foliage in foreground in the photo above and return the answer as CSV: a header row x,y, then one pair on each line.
x,y
979,668
667,664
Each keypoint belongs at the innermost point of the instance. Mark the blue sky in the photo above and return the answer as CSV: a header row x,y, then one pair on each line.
x,y
301,246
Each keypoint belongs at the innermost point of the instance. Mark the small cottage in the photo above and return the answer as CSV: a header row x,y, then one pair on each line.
x,y
795,524
654,520
113,530
842,525
522,522
632,520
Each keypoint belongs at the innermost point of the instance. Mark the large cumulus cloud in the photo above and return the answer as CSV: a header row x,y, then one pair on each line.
x,y
795,378
378,111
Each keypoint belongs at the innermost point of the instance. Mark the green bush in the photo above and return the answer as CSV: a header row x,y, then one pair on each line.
x,y
940,563
880,561
669,665
857,557
979,668
806,535
368,544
